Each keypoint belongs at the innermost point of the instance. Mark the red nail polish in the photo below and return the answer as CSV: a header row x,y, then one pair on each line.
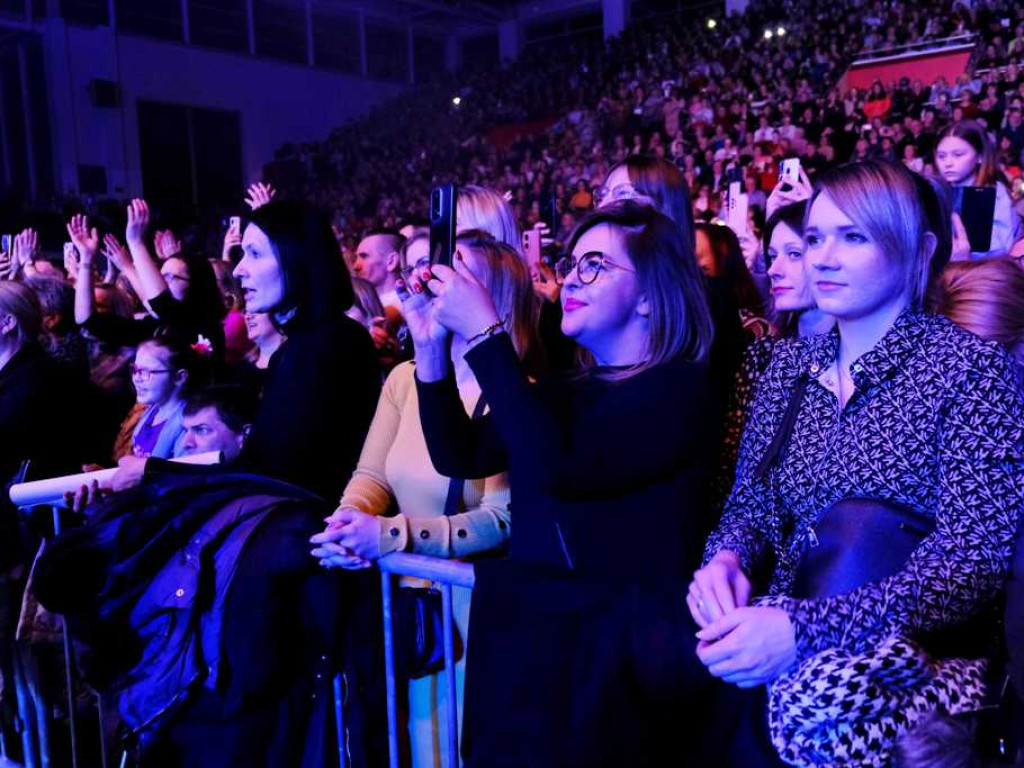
x,y
416,288
426,274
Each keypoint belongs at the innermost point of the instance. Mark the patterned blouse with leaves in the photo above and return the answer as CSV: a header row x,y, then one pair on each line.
x,y
936,424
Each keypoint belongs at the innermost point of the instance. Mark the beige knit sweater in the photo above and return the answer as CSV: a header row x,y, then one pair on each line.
x,y
395,474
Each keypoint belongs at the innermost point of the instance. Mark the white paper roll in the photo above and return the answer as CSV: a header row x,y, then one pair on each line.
x,y
51,491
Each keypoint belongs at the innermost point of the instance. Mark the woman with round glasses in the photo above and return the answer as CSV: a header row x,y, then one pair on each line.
x,y
579,652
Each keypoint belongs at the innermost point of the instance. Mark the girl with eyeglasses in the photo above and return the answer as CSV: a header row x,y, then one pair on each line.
x,y
160,375
578,651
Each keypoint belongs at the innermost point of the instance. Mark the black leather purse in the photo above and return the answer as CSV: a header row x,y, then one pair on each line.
x,y
856,541
416,611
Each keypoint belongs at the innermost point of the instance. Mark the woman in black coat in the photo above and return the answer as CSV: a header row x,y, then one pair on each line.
x,y
323,382
580,650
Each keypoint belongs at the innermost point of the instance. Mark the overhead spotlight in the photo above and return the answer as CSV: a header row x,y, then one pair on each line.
x,y
768,34
457,100
712,23
780,32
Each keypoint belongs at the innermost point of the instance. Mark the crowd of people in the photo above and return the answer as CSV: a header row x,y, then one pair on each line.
x,y
766,472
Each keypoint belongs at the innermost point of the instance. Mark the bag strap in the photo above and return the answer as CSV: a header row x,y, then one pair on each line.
x,y
778,444
453,502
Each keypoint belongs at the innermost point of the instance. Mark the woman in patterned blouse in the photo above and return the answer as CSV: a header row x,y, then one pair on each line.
x,y
901,407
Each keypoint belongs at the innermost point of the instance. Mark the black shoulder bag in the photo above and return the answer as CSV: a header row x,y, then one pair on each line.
x,y
858,541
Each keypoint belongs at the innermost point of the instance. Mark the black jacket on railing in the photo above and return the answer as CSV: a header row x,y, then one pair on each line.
x,y
204,617
581,650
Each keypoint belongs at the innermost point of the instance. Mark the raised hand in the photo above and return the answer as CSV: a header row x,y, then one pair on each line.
x,y
961,242
232,238
166,244
86,240
138,222
259,194
544,282
779,197
116,253
26,247
420,312
463,303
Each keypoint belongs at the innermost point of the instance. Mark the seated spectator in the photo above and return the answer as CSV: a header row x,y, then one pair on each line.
x,y
889,404
161,371
965,156
218,418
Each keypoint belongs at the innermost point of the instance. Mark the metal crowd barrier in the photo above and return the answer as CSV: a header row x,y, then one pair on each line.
x,y
447,573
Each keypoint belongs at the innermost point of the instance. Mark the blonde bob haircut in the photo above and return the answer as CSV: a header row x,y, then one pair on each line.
x,y
884,200
484,209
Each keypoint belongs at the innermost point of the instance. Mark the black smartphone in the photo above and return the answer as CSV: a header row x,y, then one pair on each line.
x,y
443,202
976,207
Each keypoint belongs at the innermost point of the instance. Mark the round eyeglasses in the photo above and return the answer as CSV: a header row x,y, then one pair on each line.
x,y
588,266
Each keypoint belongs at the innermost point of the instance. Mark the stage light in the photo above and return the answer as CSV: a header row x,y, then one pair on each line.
x,y
768,34
712,23
780,32
457,100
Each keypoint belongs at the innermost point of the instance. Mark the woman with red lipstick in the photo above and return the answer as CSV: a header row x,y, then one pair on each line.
x,y
966,157
578,649
888,409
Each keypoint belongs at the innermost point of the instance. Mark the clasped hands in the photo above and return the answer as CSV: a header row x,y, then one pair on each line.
x,y
744,645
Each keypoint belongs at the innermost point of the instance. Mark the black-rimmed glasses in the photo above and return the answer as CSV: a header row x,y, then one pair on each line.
x,y
588,266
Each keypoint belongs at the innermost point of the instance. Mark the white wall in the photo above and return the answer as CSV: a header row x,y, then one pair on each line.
x,y
278,102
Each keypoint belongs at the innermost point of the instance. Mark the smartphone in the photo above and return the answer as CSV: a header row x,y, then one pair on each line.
x,y
790,172
532,246
443,202
235,223
976,207
7,244
736,212
69,250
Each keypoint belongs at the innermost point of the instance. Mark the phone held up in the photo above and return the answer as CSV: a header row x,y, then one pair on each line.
x,y
443,201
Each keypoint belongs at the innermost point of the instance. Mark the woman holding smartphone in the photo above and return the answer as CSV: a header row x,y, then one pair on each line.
x,y
578,647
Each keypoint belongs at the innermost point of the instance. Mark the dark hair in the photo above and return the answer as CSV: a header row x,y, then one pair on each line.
x,y
792,215
317,286
667,272
730,266
396,237
203,300
56,297
236,405
180,357
665,184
